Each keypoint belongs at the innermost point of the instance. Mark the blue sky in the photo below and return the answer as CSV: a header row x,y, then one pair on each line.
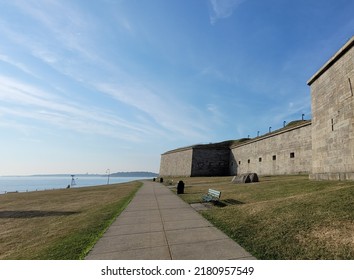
x,y
87,86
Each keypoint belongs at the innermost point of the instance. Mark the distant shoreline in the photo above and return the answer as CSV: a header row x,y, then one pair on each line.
x,y
115,174
10,184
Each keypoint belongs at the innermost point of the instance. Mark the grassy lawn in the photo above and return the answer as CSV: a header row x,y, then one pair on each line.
x,y
59,224
282,217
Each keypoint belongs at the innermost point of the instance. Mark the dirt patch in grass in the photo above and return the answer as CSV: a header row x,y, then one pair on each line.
x,y
337,235
59,224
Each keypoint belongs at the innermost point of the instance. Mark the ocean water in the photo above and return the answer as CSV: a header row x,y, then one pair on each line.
x,y
38,183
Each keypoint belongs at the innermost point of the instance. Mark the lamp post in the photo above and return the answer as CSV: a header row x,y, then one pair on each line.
x,y
108,172
73,183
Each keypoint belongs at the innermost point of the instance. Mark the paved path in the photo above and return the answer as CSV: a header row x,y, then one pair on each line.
x,y
158,225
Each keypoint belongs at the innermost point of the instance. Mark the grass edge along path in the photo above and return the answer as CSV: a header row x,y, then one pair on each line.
x,y
282,217
79,244
60,224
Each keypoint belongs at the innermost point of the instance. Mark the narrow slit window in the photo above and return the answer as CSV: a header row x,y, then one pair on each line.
x,y
292,155
260,159
249,161
332,124
350,86
274,157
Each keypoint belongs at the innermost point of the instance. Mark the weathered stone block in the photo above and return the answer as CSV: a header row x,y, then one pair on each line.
x,y
245,178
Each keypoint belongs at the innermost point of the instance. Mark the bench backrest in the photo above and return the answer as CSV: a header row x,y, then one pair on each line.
x,y
214,193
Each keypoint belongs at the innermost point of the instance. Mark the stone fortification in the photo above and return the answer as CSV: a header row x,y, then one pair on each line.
x,y
287,151
333,117
197,160
177,162
324,147
211,161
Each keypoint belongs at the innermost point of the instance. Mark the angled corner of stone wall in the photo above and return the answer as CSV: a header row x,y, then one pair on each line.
x,y
211,161
332,99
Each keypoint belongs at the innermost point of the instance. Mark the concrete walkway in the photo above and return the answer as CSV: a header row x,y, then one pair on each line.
x,y
158,225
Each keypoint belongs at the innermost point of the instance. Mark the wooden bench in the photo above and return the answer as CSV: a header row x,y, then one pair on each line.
x,y
212,196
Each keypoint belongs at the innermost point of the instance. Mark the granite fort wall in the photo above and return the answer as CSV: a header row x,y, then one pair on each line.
x,y
333,117
176,163
324,148
211,162
196,161
285,152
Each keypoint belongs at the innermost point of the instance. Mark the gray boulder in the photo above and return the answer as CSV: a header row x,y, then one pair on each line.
x,y
245,178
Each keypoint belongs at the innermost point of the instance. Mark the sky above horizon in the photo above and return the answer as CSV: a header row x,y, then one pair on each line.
x,y
87,86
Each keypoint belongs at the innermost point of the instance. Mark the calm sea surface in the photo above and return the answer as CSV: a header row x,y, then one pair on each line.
x,y
33,183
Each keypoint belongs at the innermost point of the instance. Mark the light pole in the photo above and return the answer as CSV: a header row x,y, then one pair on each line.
x,y
108,172
73,183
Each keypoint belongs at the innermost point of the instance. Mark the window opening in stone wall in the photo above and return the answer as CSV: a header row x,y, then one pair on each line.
x,y
350,86
274,157
332,124
249,161
239,163
260,159
292,155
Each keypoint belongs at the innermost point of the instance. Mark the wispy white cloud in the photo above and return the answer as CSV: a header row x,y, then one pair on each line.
x,y
215,114
168,113
62,20
18,65
221,9
75,56
215,73
126,25
25,102
295,108
66,35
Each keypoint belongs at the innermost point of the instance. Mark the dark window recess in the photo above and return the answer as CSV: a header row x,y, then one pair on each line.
x,y
274,157
292,155
239,162
350,86
332,124
249,161
260,159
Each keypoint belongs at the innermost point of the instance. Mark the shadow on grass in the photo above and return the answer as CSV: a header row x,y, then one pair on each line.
x,y
227,202
34,214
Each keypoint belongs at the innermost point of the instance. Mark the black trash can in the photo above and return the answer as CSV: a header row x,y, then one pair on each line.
x,y
180,187
161,180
